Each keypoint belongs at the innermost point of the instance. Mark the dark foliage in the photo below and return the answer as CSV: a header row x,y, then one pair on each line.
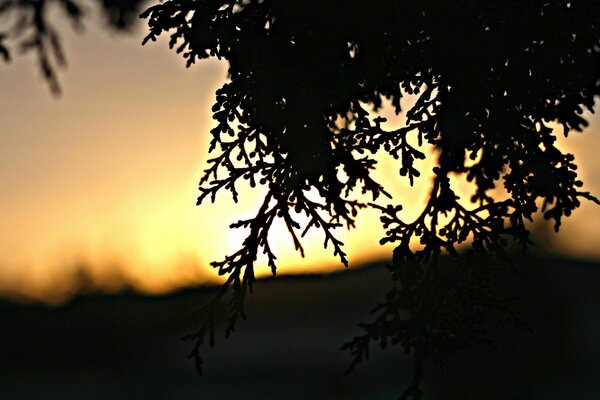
x,y
296,117
490,77
34,30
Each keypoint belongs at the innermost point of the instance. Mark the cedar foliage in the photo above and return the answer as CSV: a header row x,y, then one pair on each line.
x,y
305,78
32,29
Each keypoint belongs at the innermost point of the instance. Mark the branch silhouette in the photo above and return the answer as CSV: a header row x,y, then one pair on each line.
x,y
35,30
490,78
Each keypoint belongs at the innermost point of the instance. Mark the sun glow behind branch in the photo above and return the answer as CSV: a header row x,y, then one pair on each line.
x,y
99,187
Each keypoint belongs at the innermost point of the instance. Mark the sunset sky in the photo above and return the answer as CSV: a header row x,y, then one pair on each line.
x,y
99,185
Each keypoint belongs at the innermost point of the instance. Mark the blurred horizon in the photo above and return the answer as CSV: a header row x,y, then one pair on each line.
x,y
99,185
127,346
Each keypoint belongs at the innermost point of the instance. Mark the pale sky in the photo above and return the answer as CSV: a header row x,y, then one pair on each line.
x,y
104,178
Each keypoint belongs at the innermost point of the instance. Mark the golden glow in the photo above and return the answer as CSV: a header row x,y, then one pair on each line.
x,y
99,186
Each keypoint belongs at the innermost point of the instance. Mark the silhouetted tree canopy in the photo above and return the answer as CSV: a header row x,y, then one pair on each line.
x,y
306,77
303,75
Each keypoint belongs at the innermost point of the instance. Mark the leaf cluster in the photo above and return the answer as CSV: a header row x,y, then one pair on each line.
x,y
296,117
35,30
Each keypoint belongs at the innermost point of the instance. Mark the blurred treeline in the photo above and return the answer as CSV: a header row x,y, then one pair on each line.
x,y
128,346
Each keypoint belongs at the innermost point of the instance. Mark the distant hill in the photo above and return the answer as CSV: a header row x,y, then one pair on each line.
x,y
128,347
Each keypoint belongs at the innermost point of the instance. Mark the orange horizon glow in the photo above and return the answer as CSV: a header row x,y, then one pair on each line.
x,y
100,185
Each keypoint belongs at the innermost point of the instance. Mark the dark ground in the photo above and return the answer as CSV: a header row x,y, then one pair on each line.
x,y
128,347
